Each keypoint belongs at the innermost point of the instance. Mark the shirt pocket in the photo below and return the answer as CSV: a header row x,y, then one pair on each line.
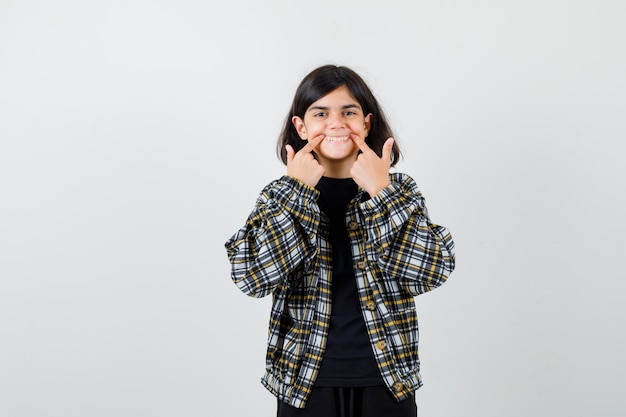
x,y
405,336
288,354
293,332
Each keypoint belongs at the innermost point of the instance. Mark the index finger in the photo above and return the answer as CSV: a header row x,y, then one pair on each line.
x,y
311,144
360,143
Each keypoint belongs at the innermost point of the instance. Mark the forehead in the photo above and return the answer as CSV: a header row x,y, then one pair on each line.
x,y
339,97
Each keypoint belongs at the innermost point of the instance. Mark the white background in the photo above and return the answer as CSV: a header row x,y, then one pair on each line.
x,y
136,135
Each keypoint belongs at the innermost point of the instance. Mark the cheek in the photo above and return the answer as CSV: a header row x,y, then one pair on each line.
x,y
315,127
359,127
308,129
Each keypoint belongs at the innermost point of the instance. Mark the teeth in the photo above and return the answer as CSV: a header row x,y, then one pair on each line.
x,y
336,138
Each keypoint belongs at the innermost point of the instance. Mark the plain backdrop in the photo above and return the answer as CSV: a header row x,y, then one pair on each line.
x,y
135,136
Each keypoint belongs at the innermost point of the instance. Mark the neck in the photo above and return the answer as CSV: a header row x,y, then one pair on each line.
x,y
333,171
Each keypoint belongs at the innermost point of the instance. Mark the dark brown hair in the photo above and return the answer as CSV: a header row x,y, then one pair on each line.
x,y
316,85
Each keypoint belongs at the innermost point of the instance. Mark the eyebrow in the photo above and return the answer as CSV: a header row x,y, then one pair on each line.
x,y
347,106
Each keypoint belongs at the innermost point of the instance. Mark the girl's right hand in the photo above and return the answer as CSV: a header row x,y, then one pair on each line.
x,y
302,165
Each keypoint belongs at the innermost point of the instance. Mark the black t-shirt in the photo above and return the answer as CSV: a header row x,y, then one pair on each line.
x,y
348,359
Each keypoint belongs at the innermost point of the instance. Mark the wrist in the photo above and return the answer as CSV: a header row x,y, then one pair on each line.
x,y
375,190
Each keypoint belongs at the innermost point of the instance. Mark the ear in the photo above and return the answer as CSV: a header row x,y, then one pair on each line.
x,y
368,123
298,123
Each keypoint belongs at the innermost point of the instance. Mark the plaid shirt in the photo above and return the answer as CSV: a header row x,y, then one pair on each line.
x,y
283,249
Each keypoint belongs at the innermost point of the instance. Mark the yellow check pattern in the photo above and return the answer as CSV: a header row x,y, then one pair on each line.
x,y
397,253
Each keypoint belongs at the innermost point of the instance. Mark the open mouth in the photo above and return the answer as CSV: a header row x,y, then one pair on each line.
x,y
337,138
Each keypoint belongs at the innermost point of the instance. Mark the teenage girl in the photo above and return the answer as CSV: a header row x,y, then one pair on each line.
x,y
343,246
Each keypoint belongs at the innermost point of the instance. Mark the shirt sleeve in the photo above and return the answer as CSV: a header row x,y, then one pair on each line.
x,y
279,237
407,246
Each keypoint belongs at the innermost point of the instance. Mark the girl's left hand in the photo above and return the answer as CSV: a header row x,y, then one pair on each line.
x,y
369,171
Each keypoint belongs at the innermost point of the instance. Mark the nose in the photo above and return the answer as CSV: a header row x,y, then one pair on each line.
x,y
335,120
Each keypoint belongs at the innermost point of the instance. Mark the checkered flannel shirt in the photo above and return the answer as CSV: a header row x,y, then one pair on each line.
x,y
283,250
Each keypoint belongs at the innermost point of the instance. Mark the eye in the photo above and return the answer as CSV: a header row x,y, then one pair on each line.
x,y
320,114
349,113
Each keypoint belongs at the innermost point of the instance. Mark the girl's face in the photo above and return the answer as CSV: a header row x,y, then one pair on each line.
x,y
337,116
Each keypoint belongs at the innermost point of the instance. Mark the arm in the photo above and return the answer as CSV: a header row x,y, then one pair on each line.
x,y
402,239
278,237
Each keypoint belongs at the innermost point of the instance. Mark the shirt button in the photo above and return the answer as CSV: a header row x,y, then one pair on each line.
x,y
398,386
381,344
361,264
370,305
353,225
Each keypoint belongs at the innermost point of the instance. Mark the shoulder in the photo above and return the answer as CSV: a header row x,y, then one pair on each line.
x,y
287,188
404,181
287,182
